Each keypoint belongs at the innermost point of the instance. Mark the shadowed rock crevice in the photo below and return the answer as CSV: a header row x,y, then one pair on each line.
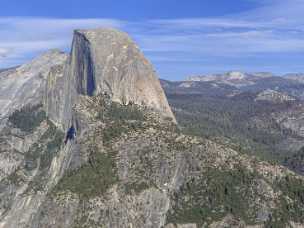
x,y
84,69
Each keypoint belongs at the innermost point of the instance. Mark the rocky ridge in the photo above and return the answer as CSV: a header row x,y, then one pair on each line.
x,y
273,96
25,84
129,166
299,77
234,78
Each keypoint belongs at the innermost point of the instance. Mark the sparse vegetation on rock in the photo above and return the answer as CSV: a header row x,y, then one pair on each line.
x,y
28,118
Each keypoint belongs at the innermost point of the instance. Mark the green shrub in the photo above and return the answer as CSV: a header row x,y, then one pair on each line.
x,y
113,131
125,112
291,209
214,196
92,179
118,112
28,118
218,193
52,147
32,155
16,178
46,149
136,187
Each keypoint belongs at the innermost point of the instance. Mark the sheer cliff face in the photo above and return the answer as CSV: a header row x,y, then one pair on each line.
x,y
55,94
108,61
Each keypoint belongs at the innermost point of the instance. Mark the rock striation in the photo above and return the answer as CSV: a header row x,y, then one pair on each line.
x,y
56,95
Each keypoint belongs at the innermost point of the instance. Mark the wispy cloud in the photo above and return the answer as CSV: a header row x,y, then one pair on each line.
x,y
3,52
224,44
270,37
275,28
22,38
200,23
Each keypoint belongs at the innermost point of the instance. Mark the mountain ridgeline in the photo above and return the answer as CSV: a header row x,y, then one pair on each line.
x,y
130,164
259,112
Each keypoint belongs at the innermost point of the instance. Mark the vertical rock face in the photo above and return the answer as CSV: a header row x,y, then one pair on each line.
x,y
108,61
55,94
26,84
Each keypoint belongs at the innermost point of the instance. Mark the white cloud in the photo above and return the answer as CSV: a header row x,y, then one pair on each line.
x,y
21,38
3,52
217,44
191,23
275,28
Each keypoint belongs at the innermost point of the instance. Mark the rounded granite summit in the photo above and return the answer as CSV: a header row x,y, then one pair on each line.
x,y
109,61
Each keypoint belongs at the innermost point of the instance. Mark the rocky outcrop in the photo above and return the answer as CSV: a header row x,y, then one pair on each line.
x,y
108,61
232,78
274,96
299,77
140,173
26,84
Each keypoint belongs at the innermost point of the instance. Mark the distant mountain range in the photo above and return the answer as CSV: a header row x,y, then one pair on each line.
x,y
260,112
236,82
240,79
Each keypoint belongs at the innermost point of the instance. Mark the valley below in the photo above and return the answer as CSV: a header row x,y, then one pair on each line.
x,y
259,113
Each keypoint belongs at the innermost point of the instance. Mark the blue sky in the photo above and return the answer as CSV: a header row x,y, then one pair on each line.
x,y
180,37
